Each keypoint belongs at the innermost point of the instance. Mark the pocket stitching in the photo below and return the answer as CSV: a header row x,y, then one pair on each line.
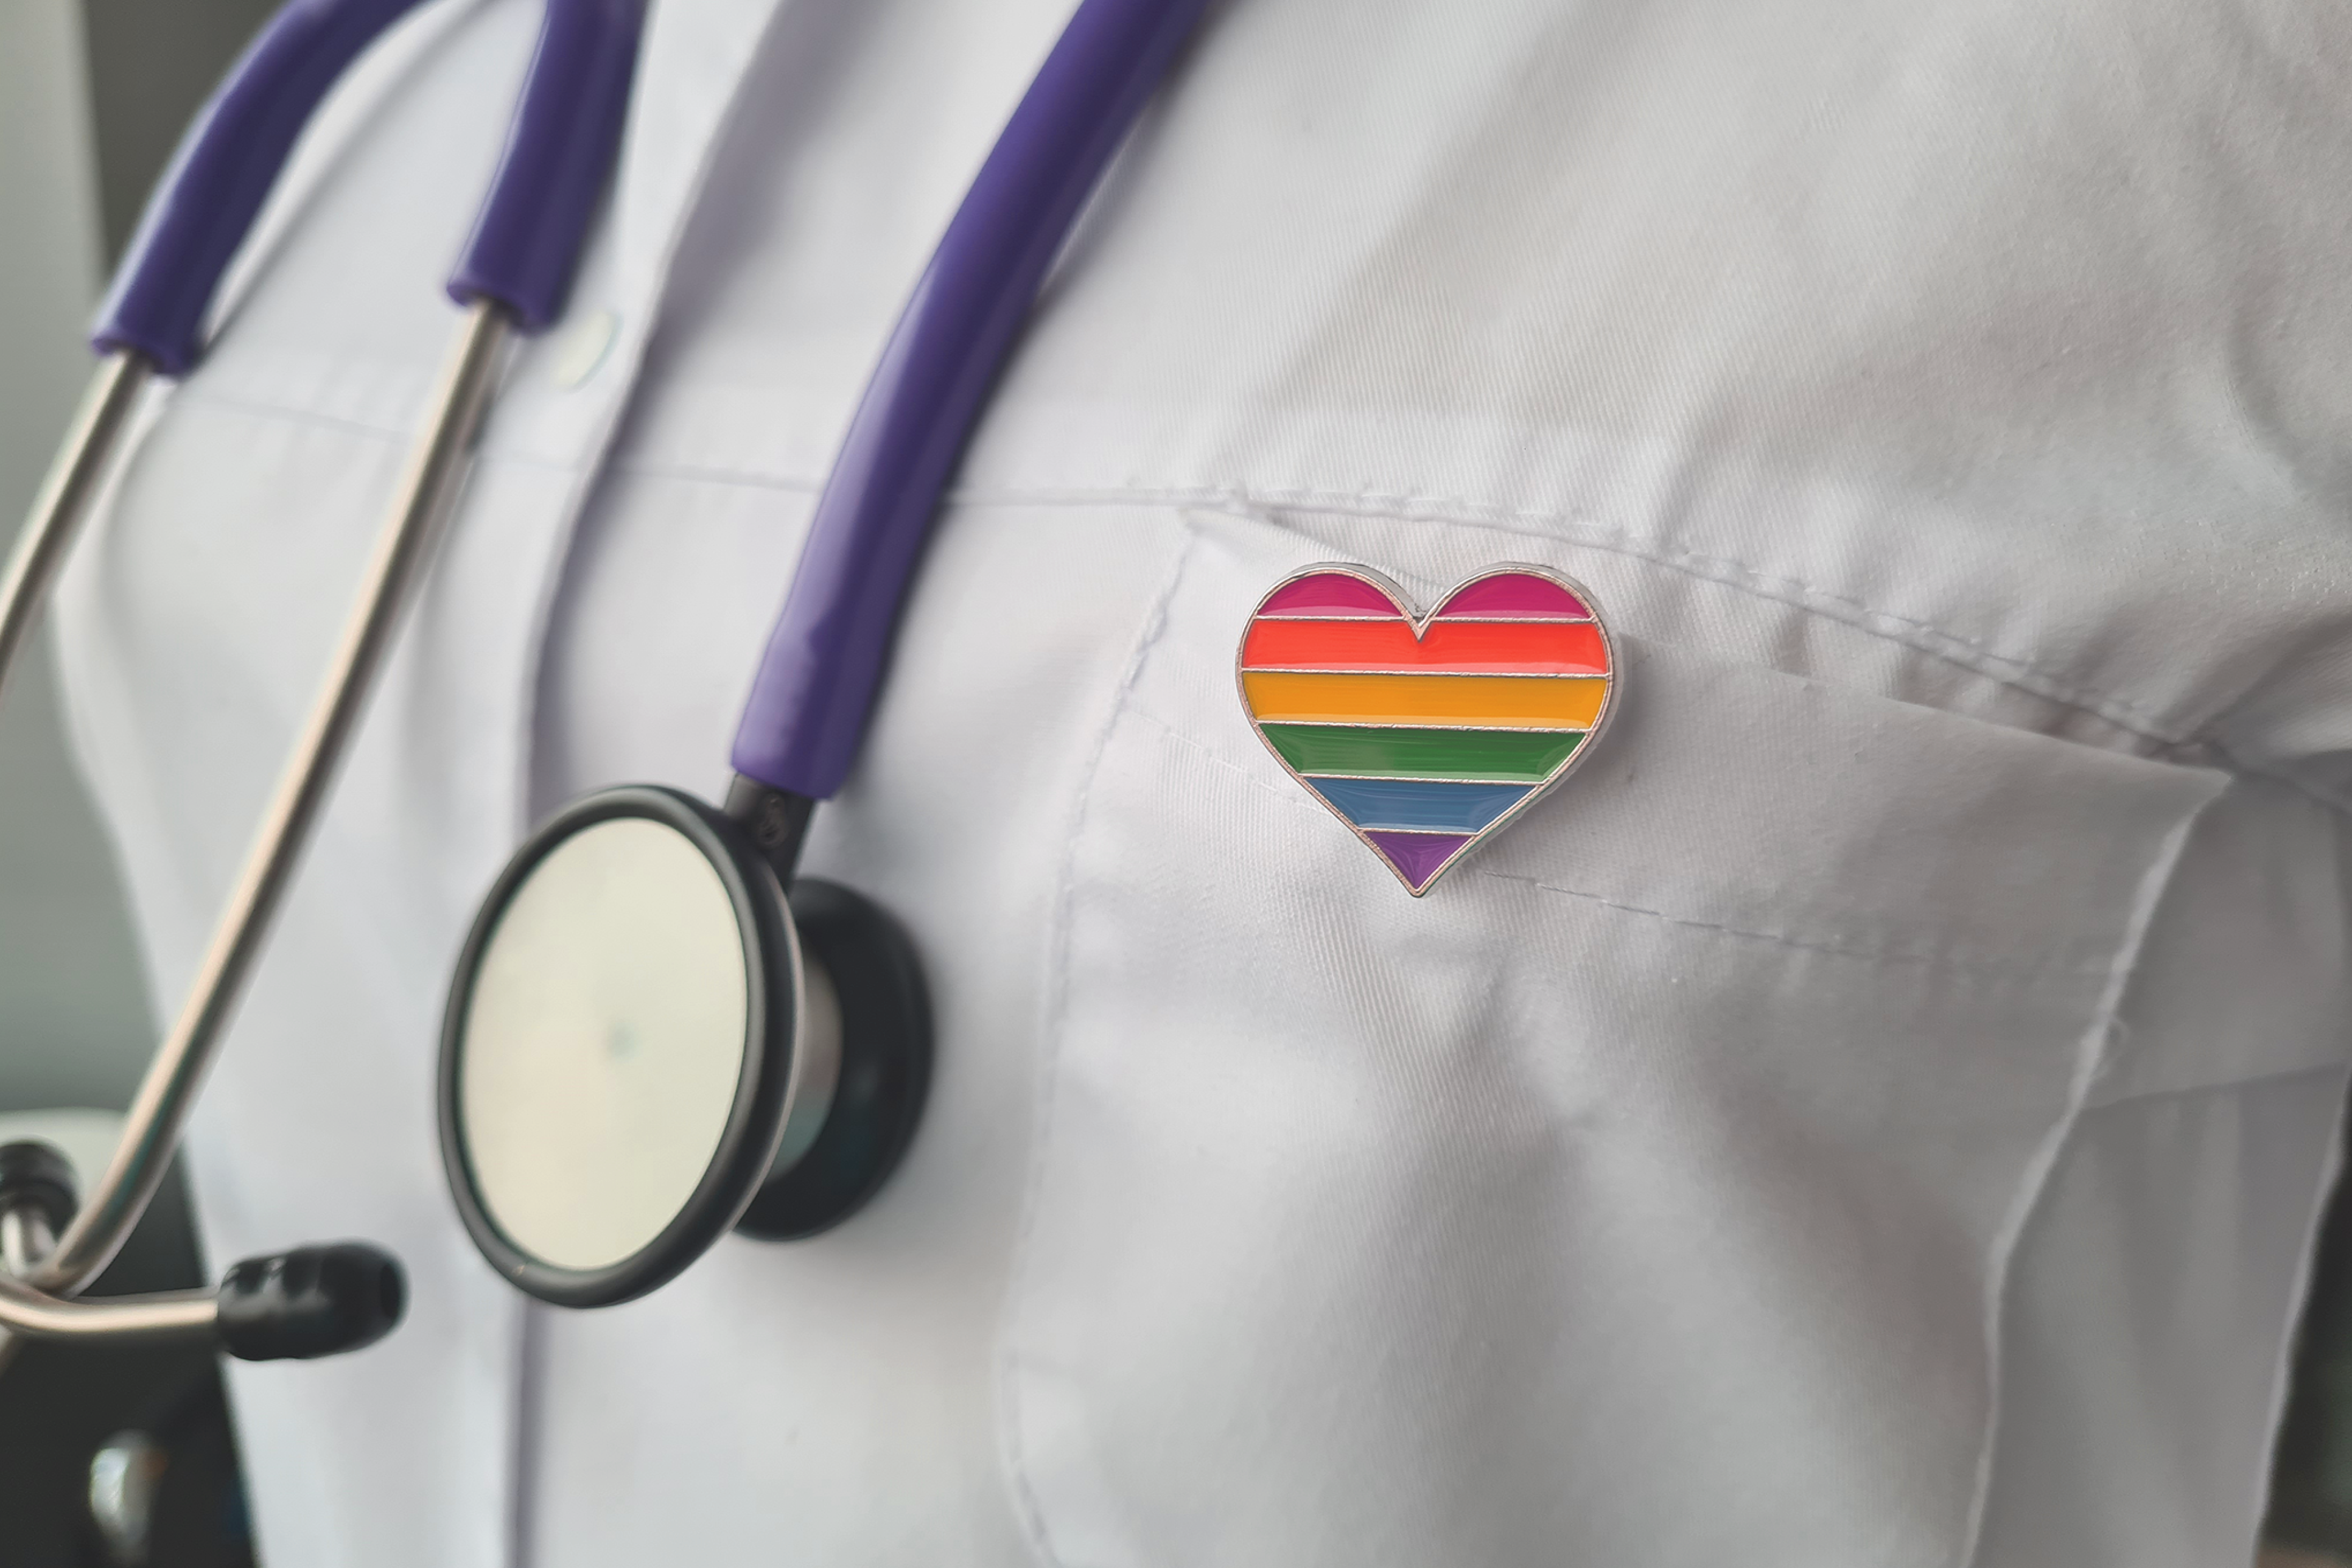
x,y
1778,938
1052,1023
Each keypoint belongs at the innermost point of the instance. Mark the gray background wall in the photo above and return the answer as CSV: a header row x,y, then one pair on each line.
x,y
151,63
93,98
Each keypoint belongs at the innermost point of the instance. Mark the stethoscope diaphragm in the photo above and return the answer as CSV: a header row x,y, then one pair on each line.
x,y
648,1042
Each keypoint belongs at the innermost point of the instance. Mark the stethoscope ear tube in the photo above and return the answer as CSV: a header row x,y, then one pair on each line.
x,y
816,681
567,126
201,210
225,166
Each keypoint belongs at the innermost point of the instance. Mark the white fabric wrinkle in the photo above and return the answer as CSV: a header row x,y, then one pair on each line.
x,y
2137,727
2047,303
1290,797
2091,1056
2140,1373
1350,313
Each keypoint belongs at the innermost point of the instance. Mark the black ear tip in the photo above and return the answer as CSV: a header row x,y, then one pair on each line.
x,y
391,1291
36,1173
312,1302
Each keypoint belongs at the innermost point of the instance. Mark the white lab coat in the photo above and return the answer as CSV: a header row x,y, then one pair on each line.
x,y
1873,1115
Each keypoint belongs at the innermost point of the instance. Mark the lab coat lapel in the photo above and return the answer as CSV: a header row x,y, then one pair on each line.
x,y
689,70
566,395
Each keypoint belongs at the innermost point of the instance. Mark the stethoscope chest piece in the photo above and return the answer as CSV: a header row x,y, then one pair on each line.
x,y
648,1043
655,1032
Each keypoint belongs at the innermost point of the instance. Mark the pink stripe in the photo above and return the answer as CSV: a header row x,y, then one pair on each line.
x,y
1328,593
1514,593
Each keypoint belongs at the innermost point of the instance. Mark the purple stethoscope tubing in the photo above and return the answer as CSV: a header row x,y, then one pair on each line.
x,y
838,1046
567,127
816,681
223,172
524,244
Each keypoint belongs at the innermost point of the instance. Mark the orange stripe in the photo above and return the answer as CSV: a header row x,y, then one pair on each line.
x,y
1502,703
1470,648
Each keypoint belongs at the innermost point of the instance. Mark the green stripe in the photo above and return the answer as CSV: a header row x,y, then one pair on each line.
x,y
1504,756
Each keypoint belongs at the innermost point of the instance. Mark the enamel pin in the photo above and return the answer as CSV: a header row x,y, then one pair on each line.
x,y
1424,734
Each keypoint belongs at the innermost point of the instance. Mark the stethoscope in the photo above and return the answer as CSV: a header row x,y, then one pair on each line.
x,y
656,1033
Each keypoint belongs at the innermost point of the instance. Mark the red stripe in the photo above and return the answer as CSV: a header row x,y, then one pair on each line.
x,y
1465,648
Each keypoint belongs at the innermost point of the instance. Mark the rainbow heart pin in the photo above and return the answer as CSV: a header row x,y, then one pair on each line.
x,y
1426,733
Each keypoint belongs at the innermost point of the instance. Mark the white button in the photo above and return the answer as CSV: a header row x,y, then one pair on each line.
x,y
582,347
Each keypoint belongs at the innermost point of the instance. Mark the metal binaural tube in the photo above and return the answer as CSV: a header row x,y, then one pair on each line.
x,y
63,499
152,1130
516,270
32,1315
24,1239
174,1315
26,1313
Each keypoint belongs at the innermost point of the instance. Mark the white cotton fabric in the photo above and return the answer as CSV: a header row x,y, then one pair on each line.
x,y
1873,1115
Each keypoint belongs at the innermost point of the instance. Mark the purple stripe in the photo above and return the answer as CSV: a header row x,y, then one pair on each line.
x,y
1418,854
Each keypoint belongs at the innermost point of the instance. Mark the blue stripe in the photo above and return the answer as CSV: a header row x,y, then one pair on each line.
x,y
1425,805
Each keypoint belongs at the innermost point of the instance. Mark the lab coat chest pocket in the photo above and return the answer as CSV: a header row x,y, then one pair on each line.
x,y
1640,1195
